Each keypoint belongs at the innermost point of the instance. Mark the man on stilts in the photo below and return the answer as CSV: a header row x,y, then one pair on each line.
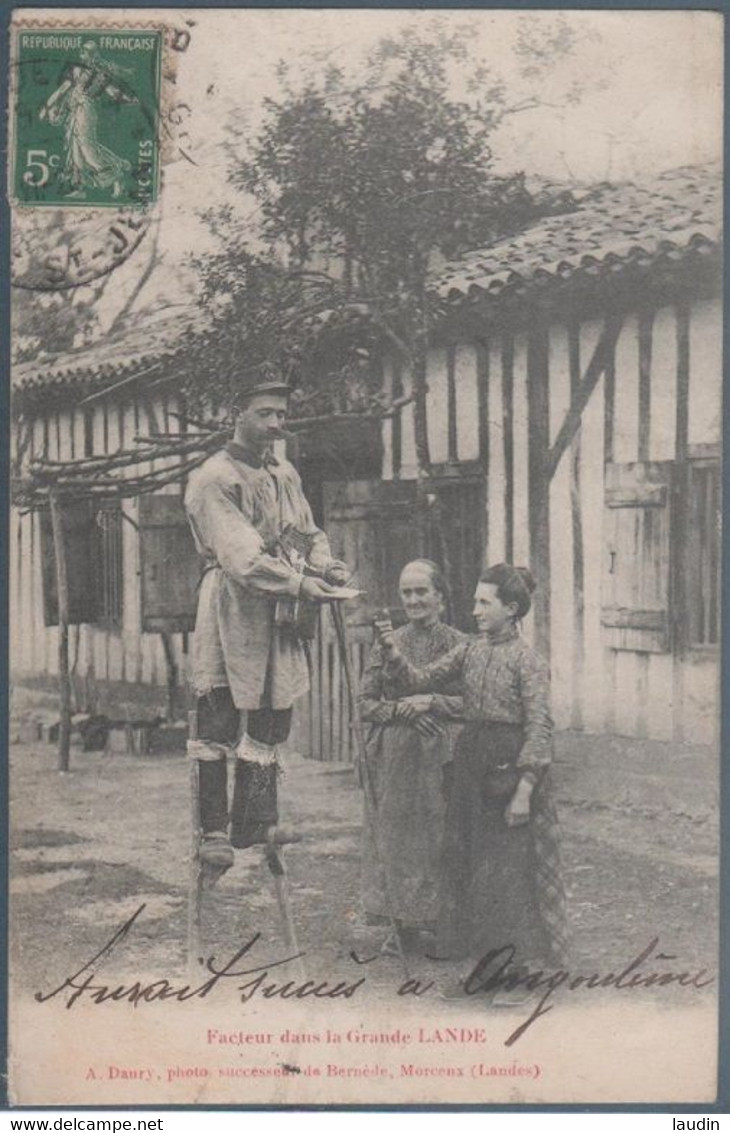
x,y
243,506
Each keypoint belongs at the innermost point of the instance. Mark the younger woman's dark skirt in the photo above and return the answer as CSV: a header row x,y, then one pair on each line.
x,y
502,885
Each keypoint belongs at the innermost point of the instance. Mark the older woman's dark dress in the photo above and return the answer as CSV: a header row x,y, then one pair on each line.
x,y
403,836
502,884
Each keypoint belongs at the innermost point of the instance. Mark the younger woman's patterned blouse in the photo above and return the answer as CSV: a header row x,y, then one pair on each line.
x,y
502,680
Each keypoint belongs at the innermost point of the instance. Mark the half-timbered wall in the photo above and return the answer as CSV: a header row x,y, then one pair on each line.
x,y
658,401
98,651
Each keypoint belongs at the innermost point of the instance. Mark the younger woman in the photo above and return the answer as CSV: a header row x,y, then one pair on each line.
x,y
503,882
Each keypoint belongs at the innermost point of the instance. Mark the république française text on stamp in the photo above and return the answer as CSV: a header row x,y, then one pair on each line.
x,y
86,108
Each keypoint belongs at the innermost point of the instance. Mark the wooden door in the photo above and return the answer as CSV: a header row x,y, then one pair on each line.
x,y
459,548
371,524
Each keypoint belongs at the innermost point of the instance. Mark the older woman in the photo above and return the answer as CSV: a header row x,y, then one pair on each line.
x,y
409,743
502,883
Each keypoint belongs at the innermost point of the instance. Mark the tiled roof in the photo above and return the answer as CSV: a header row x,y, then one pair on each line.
x,y
613,224
154,338
675,214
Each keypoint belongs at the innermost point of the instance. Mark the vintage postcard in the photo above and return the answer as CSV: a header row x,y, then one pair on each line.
x,y
365,556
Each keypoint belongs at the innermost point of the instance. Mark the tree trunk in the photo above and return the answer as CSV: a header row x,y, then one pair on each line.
x,y
64,679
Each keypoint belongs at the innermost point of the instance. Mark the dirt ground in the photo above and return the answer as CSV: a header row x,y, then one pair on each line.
x,y
87,848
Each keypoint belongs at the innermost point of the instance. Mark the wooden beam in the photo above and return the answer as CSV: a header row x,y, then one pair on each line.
x,y
576,522
680,517
483,375
508,361
451,403
602,356
482,352
682,422
538,432
609,408
646,320
397,427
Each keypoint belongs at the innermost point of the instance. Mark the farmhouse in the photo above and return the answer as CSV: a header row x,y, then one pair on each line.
x,y
574,421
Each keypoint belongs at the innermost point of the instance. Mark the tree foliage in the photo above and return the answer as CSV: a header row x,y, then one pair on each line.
x,y
363,184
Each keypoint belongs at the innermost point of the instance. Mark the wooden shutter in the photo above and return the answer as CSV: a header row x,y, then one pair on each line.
x,y
169,566
83,563
636,573
109,520
703,558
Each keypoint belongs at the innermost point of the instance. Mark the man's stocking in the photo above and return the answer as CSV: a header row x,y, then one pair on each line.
x,y
255,805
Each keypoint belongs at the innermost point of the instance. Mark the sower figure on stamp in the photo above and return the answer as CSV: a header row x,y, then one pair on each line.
x,y
264,555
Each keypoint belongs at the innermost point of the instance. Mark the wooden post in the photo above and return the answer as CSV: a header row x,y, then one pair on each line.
x,y
64,678
171,671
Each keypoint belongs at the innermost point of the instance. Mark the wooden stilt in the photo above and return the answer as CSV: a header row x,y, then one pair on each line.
x,y
200,881
195,891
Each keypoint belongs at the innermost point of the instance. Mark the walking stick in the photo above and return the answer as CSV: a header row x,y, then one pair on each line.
x,y
366,778
275,862
195,892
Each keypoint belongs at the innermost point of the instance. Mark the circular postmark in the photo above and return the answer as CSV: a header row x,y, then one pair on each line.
x,y
78,250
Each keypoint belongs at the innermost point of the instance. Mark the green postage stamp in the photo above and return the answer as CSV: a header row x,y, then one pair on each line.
x,y
86,116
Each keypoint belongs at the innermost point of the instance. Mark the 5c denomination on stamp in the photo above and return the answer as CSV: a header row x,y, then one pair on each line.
x,y
86,108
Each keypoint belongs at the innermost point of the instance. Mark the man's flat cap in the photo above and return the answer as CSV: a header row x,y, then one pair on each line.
x,y
262,389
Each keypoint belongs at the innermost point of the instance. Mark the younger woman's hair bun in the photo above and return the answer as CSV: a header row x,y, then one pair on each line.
x,y
527,577
514,585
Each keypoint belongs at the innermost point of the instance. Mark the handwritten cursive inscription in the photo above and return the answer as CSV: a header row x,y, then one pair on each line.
x,y
497,969
500,969
83,982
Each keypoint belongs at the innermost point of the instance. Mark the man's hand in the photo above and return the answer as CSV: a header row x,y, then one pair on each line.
x,y
337,573
316,590
518,808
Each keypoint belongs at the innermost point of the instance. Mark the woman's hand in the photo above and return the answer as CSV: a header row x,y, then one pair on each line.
x,y
428,725
384,632
416,711
518,808
410,707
